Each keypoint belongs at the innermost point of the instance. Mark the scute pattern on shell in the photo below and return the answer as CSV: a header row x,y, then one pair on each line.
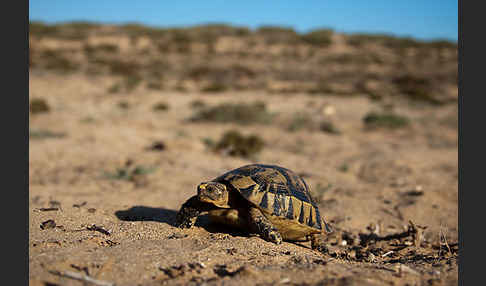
x,y
276,190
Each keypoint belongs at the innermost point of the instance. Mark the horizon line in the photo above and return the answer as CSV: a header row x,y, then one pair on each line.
x,y
254,28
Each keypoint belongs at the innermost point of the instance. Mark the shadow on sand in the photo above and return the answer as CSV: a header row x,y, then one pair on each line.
x,y
142,213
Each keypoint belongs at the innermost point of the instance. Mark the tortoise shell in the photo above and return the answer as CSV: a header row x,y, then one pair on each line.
x,y
276,191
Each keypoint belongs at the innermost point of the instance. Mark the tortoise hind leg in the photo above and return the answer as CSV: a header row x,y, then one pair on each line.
x,y
260,224
317,243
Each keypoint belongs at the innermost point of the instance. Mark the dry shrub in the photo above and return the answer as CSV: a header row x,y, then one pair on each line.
x,y
417,88
160,106
39,105
234,143
319,37
241,113
385,120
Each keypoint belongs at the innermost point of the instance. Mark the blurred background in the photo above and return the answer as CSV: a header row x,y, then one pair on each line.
x,y
136,103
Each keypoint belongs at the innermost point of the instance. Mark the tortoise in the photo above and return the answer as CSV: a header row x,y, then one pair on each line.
x,y
269,200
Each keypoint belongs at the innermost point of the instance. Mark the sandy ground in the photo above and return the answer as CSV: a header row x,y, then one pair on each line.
x,y
122,231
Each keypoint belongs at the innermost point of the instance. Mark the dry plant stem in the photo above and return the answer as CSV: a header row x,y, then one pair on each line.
x,y
442,236
82,277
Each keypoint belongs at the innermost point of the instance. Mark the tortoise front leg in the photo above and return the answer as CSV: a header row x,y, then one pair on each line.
x,y
190,210
261,225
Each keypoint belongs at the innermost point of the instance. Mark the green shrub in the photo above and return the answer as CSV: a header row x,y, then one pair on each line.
x,y
237,144
215,87
198,103
127,84
129,173
131,82
358,40
385,120
41,29
57,62
45,134
299,121
241,113
417,88
155,85
276,34
115,88
329,127
320,37
123,68
107,48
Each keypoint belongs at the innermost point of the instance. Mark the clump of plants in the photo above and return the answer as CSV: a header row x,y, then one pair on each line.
x,y
417,88
319,37
155,85
240,113
386,119
39,105
234,143
129,172
127,84
123,104
198,103
215,87
328,127
276,34
45,134
160,106
57,62
299,121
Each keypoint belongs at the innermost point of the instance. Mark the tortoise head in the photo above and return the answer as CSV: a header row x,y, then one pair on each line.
x,y
213,193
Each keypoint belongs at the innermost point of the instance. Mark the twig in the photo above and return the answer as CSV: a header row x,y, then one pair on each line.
x,y
82,277
99,229
48,209
388,253
445,240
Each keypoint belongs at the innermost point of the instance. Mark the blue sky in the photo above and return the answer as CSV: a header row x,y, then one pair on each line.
x,y
422,19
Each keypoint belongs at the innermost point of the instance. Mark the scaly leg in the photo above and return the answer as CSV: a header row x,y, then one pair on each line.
x,y
260,224
190,210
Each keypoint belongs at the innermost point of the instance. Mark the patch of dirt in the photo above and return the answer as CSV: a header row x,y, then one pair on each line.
x,y
102,202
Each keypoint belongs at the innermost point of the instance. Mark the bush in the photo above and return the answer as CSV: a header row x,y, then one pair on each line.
x,y
329,127
198,103
127,84
299,121
42,29
161,106
358,40
129,173
385,120
45,134
275,34
38,105
321,37
215,87
417,88
236,144
155,85
54,61
241,113
123,104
